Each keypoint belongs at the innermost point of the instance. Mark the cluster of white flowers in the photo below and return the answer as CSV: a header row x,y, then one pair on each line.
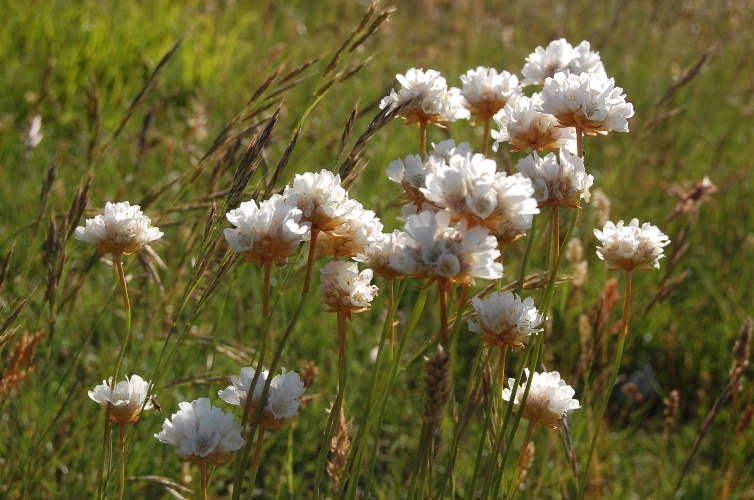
x,y
472,190
523,126
201,432
377,254
503,319
512,229
435,249
555,182
590,102
282,397
560,55
444,150
270,232
485,92
428,98
346,290
121,230
351,238
322,200
631,247
126,399
549,398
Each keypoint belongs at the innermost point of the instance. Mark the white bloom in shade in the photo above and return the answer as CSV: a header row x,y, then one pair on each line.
x,y
428,98
126,399
471,189
353,236
346,290
270,232
555,182
591,102
321,199
444,150
549,398
486,92
631,247
434,249
377,255
512,229
524,127
282,398
411,176
202,433
503,319
121,230
560,56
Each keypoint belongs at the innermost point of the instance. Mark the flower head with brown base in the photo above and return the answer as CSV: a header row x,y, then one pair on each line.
x,y
549,398
122,229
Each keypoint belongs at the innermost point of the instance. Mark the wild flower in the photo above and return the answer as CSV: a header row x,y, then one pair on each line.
x,y
549,398
504,319
434,249
428,97
377,254
34,136
563,182
485,92
411,174
508,231
631,247
523,126
444,150
590,102
202,433
270,232
471,189
353,236
122,229
346,290
282,399
126,399
322,200
560,55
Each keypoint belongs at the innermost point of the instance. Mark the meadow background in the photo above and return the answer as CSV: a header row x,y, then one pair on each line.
x,y
686,67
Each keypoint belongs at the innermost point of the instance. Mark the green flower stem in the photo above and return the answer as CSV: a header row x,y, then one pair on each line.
x,y
335,411
555,233
257,454
519,464
610,385
482,440
486,143
122,448
529,246
442,286
418,464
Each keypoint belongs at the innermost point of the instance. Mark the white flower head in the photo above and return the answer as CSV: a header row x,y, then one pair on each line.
x,y
631,247
428,97
486,92
549,398
560,56
411,174
126,399
472,190
34,135
434,249
270,232
377,254
504,319
444,150
322,200
201,432
524,127
510,230
591,102
346,290
555,182
282,398
121,230
352,237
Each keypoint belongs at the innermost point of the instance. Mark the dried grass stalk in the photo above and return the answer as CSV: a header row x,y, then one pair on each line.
x,y
340,446
437,390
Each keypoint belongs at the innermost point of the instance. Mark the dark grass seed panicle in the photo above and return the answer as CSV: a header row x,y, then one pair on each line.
x,y
210,221
347,130
5,332
78,206
5,269
363,24
381,18
437,389
303,67
264,86
270,187
44,195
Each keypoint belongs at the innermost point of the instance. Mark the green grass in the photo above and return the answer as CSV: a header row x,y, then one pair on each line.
x,y
50,439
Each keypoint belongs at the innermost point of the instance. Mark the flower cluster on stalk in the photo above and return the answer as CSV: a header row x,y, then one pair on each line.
x,y
425,98
122,229
632,246
127,399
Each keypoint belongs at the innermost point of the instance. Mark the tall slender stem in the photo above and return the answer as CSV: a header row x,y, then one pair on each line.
x,y
486,143
122,448
579,142
310,261
555,232
499,284
501,371
103,458
127,306
520,463
441,286
257,453
390,304
203,487
423,137
610,385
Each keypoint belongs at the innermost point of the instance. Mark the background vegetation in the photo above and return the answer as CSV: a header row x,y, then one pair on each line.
x,y
686,67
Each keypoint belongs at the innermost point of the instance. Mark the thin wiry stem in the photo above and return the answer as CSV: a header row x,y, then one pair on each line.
x,y
441,286
257,453
423,137
203,487
521,459
122,448
610,385
555,233
310,261
486,144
